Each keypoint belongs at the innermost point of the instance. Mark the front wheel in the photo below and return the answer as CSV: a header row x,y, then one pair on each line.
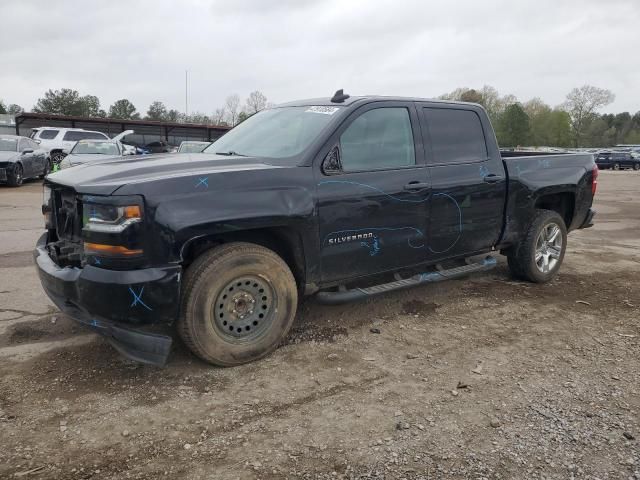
x,y
636,166
540,253
616,166
239,302
16,178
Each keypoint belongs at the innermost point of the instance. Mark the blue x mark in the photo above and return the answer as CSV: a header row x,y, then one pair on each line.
x,y
203,181
137,298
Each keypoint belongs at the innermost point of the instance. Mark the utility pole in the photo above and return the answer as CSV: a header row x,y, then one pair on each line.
x,y
186,94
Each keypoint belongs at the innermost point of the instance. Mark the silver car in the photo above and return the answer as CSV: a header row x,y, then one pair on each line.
x,y
85,151
21,158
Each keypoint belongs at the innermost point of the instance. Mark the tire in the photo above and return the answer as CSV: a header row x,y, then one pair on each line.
x,y
528,262
636,166
16,178
616,166
238,303
57,157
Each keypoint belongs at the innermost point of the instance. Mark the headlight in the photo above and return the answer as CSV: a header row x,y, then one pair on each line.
x,y
109,218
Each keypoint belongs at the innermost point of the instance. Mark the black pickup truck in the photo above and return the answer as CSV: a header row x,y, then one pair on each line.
x,y
342,197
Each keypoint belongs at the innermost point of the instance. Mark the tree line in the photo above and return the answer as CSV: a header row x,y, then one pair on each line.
x,y
67,101
574,123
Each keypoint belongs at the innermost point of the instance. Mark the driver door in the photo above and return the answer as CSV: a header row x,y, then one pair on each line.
x,y
373,192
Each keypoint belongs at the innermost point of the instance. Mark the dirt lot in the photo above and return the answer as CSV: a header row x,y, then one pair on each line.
x,y
476,378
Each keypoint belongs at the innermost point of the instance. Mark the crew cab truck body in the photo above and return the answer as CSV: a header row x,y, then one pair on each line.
x,y
312,197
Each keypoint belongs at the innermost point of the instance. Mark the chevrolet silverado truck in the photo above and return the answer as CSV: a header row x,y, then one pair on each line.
x,y
343,198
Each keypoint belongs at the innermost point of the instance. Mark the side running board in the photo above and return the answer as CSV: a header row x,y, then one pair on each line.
x,y
344,296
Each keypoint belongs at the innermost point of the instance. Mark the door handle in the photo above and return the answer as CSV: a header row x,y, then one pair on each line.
x,y
415,185
493,178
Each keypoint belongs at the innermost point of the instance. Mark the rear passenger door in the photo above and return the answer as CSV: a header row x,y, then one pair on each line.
x,y
373,191
468,180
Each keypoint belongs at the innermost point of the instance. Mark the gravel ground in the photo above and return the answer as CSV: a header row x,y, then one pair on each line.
x,y
480,378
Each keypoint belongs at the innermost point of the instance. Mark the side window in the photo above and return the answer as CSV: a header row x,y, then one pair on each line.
x,y
48,134
456,135
378,139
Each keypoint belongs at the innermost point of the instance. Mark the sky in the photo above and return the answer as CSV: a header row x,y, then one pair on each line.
x,y
292,49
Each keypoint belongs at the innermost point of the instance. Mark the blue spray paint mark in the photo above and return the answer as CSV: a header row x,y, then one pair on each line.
x,y
137,298
484,171
544,162
204,181
96,261
326,182
419,232
374,246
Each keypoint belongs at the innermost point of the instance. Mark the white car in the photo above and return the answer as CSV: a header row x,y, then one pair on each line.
x,y
191,146
55,140
87,150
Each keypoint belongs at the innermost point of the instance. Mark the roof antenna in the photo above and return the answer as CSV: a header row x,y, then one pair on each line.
x,y
339,96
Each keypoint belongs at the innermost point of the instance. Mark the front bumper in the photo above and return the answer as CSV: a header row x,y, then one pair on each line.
x,y
119,305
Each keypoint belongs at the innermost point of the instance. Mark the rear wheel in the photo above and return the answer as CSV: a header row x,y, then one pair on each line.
x,y
539,256
238,304
636,166
57,157
616,166
16,178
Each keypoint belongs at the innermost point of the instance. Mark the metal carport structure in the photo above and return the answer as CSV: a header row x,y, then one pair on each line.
x,y
145,130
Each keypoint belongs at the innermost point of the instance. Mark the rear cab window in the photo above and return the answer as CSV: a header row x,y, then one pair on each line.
x,y
456,136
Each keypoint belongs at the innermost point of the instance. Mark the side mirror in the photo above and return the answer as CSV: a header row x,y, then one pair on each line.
x,y
27,150
331,163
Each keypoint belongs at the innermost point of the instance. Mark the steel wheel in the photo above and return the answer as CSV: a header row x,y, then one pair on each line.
x,y
548,247
616,166
636,166
244,308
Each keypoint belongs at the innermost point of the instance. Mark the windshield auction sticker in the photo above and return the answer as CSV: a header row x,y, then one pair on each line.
x,y
324,110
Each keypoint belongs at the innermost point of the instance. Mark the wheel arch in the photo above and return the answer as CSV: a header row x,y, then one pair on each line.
x,y
285,242
564,203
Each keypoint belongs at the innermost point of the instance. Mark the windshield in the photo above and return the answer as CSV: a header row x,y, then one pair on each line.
x,y
8,145
95,148
275,133
192,147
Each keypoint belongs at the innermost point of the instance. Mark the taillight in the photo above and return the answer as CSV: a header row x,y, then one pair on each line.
x,y
594,179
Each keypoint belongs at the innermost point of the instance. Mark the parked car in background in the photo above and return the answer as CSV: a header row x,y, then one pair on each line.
x,y
85,151
192,147
616,160
21,158
159,146
55,140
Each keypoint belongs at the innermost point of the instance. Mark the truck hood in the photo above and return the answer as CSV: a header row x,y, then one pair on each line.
x,y
107,176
